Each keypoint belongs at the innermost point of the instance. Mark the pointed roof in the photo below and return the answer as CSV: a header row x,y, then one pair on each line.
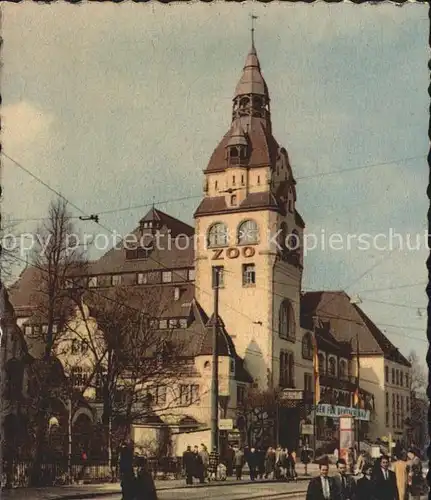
x,y
152,215
252,81
237,135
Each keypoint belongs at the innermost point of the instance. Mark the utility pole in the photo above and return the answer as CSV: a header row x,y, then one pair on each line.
x,y
357,392
214,386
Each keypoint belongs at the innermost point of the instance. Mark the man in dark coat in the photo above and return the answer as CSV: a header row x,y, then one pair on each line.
x,y
188,465
384,481
322,487
345,484
144,483
127,475
252,461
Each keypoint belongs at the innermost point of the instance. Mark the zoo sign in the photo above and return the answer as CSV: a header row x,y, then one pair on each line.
x,y
233,253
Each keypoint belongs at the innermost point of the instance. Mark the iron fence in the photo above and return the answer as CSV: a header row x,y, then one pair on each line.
x,y
18,474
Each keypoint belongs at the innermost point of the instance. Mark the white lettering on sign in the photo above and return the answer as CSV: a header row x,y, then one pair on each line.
x,y
233,253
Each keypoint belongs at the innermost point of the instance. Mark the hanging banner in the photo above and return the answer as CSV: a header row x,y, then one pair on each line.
x,y
330,411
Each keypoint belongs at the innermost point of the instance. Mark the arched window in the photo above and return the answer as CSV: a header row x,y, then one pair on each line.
x,y
286,322
343,369
233,152
217,235
307,346
248,232
332,370
322,365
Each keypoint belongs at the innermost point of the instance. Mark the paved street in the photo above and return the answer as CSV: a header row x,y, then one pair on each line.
x,y
256,491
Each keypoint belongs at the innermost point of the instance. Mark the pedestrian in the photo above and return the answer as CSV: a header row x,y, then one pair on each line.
x,y
384,481
260,462
145,488
230,453
417,486
351,460
214,460
252,463
239,463
345,484
127,474
188,462
322,487
205,457
360,463
270,463
401,474
305,458
198,465
364,489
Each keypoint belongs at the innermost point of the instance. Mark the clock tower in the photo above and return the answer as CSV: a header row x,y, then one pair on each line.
x,y
248,227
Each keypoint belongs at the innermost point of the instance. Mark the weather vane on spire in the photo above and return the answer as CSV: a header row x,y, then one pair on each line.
x,y
253,18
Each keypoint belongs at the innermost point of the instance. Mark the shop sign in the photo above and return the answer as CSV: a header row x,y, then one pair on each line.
x,y
225,424
325,410
307,429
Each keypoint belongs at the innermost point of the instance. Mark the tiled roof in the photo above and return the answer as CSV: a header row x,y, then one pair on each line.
x,y
264,200
264,148
348,321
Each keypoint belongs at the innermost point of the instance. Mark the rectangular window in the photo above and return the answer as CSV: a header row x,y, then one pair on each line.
x,y
194,393
69,283
397,377
183,323
189,394
286,369
407,406
240,394
386,374
163,324
184,395
220,271
393,376
92,282
166,276
116,279
173,323
308,382
160,396
142,278
192,274
386,409
407,381
248,274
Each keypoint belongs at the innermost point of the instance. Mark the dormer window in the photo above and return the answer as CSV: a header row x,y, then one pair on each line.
x,y
233,200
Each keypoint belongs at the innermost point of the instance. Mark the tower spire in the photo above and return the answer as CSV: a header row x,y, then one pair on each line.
x,y
253,18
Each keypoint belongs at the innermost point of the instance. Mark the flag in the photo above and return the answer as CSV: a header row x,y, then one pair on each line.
x,y
356,395
316,371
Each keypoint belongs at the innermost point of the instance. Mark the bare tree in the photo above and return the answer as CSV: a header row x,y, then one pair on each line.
x,y
10,250
56,255
133,364
255,412
418,400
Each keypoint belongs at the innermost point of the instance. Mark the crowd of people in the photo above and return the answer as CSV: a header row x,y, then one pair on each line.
x,y
272,463
381,479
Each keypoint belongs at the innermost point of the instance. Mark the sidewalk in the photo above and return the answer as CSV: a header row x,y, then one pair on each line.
x,y
75,492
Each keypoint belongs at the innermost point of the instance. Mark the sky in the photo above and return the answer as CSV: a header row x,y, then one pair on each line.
x,y
117,106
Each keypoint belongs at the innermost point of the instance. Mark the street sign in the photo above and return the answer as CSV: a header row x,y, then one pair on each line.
x,y
307,429
225,424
